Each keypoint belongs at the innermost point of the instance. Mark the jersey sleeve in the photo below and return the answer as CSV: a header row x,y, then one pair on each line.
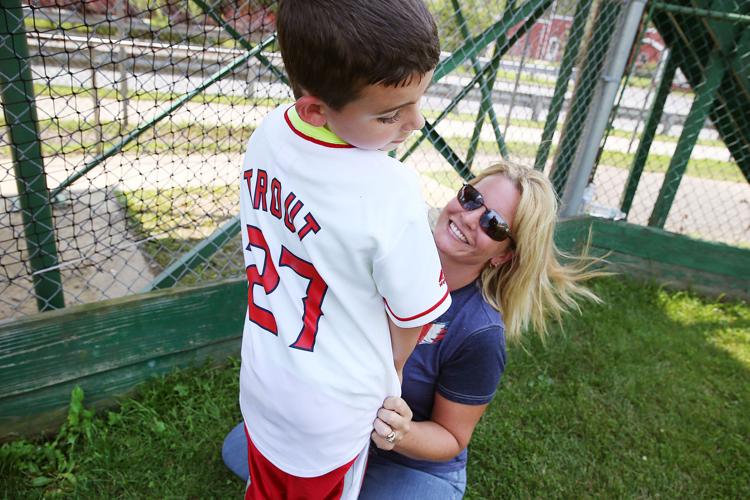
x,y
471,376
409,276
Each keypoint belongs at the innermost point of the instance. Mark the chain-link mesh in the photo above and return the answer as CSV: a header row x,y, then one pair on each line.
x,y
677,154
120,71
143,109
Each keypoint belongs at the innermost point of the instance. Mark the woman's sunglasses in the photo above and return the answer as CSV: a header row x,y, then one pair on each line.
x,y
491,222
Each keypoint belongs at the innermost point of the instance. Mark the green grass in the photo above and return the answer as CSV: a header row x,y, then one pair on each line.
x,y
646,395
164,442
172,221
157,97
539,124
159,29
72,137
66,137
703,168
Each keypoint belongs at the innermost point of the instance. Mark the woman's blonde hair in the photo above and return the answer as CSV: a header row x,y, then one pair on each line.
x,y
534,285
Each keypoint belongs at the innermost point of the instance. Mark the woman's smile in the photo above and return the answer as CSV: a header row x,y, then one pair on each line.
x,y
455,231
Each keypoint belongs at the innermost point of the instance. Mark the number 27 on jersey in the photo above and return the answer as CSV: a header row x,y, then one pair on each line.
x,y
269,279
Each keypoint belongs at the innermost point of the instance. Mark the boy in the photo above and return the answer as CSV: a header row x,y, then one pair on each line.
x,y
337,247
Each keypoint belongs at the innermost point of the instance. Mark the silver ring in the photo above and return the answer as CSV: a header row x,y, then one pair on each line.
x,y
391,437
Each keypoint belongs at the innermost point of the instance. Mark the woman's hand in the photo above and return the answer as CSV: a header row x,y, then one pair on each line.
x,y
392,423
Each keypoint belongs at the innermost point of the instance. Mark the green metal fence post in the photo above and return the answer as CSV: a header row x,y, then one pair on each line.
x,y
577,29
134,134
532,9
527,15
704,13
649,131
211,12
196,256
19,109
596,50
485,106
486,87
705,94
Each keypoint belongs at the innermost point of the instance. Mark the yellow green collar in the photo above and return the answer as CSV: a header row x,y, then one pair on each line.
x,y
318,135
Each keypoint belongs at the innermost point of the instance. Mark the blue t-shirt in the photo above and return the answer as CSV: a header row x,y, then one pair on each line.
x,y
462,357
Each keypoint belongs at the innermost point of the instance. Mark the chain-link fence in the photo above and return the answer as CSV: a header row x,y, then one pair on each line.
x,y
124,124
677,154
143,111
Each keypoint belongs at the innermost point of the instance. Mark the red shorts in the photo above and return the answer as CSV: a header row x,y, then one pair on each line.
x,y
268,482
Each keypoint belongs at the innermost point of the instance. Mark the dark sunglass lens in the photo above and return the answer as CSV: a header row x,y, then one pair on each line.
x,y
469,198
494,226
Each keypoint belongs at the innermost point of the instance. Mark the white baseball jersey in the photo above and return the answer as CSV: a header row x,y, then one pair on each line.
x,y
335,238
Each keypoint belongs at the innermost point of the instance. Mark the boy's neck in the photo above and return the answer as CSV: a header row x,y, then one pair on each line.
x,y
323,133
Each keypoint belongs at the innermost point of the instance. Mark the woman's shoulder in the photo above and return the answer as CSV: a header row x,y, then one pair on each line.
x,y
472,309
473,318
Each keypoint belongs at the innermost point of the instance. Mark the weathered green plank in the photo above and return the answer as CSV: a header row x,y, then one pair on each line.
x,y
670,248
677,277
43,410
130,339
670,259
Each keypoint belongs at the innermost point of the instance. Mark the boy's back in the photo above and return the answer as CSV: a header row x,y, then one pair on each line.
x,y
336,237
344,229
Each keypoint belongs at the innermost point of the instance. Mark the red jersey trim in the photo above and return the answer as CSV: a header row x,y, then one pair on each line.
x,y
313,139
417,316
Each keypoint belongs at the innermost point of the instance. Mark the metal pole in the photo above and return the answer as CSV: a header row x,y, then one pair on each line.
x,y
579,116
581,170
167,112
570,55
705,94
649,131
122,68
428,132
19,109
95,97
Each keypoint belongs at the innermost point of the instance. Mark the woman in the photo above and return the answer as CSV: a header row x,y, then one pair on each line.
x,y
504,277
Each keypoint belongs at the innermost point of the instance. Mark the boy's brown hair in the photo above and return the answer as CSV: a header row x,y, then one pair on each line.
x,y
334,48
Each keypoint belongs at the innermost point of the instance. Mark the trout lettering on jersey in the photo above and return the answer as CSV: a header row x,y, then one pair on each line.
x,y
266,196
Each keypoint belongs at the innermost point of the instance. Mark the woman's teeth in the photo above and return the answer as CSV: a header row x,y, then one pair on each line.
x,y
456,232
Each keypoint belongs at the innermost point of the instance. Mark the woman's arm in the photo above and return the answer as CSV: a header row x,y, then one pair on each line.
x,y
439,439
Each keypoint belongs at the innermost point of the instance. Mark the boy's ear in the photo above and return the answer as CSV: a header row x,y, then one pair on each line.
x,y
312,110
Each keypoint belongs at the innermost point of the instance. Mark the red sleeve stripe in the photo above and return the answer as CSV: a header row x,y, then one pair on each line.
x,y
417,316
